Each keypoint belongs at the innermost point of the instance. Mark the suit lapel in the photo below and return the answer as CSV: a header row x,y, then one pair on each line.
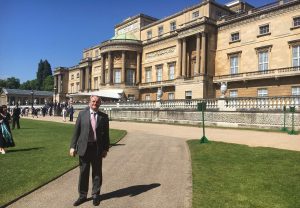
x,y
98,119
87,119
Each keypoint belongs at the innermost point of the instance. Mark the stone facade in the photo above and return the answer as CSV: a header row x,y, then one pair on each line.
x,y
255,51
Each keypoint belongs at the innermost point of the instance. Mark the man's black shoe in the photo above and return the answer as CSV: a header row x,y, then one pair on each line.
x,y
79,201
96,200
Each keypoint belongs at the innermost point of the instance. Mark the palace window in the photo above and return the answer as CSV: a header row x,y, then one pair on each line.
x,y
117,76
130,74
96,83
160,31
195,14
296,55
149,34
77,76
263,92
72,88
188,94
72,76
77,86
235,37
159,70
173,26
171,71
263,60
171,96
148,75
234,64
296,90
147,97
233,93
296,21
264,30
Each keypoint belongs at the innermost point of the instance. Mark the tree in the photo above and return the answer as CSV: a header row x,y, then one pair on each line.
x,y
48,83
12,83
2,84
29,85
39,74
44,70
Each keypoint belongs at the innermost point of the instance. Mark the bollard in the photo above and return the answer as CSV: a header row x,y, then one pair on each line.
x,y
284,118
202,107
292,132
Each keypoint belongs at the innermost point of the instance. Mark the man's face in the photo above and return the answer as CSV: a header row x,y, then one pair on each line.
x,y
95,103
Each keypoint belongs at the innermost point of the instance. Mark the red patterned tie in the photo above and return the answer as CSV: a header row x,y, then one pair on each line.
x,y
93,122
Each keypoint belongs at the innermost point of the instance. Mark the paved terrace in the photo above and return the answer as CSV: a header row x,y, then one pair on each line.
x,y
149,168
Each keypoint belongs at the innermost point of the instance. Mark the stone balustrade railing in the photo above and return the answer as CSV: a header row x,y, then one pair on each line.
x,y
225,104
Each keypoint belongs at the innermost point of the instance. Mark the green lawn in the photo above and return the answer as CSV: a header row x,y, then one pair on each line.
x,y
238,176
41,154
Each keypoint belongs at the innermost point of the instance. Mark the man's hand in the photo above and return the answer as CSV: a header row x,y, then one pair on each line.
x,y
72,152
104,153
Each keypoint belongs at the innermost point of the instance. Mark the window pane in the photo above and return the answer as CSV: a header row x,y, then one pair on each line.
x,y
171,96
159,73
296,55
233,93
296,21
130,76
234,64
263,61
148,75
262,92
171,71
117,76
296,90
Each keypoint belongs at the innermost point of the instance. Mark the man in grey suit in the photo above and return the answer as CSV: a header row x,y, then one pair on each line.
x,y
91,142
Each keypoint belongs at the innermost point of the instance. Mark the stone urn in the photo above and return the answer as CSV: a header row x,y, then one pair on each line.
x,y
223,89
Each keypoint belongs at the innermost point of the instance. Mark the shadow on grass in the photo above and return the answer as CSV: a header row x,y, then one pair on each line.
x,y
117,144
24,150
129,191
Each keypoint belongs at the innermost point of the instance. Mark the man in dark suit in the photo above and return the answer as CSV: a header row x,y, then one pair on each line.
x,y
71,112
16,117
91,142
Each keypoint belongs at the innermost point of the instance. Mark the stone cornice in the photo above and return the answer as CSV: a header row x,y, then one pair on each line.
x,y
252,17
108,48
160,41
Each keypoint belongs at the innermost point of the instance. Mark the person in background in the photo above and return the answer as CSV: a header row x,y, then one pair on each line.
x,y
64,113
91,142
6,139
71,112
16,117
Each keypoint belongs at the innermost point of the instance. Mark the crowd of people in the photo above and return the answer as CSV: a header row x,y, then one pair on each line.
x,y
13,115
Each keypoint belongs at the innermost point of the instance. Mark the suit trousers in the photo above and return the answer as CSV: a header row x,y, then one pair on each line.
x,y
90,158
16,121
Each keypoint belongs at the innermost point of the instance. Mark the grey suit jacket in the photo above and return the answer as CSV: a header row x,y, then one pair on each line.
x,y
82,131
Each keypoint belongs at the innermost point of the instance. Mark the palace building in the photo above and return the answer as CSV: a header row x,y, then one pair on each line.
x,y
246,51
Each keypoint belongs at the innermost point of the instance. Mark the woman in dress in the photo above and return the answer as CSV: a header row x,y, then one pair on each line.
x,y
6,139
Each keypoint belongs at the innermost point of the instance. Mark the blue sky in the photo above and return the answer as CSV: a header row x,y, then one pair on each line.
x,y
59,30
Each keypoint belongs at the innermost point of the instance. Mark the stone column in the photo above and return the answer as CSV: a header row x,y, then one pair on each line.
x,y
123,67
198,54
203,53
178,69
81,79
87,78
102,69
109,68
138,67
183,73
